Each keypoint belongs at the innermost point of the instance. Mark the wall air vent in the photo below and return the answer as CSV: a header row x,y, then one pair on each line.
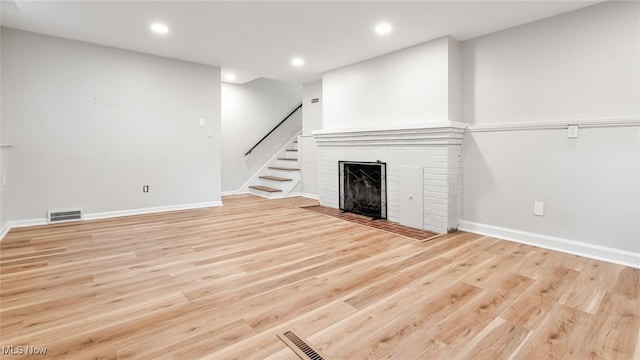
x,y
315,100
64,215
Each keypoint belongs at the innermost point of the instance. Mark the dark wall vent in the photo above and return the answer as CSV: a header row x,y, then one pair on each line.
x,y
63,215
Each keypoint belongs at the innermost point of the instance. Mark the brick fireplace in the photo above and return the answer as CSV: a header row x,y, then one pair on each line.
x,y
422,169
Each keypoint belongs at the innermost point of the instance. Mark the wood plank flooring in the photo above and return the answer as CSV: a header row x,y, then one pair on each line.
x,y
220,283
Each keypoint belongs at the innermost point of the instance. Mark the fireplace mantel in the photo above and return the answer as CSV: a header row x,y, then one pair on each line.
x,y
443,133
431,152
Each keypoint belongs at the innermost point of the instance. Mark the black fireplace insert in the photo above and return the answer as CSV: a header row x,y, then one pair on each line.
x,y
363,188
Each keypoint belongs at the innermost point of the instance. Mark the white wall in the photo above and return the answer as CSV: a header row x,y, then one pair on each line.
x,y
579,67
71,150
249,112
308,149
589,185
454,70
406,88
311,112
3,202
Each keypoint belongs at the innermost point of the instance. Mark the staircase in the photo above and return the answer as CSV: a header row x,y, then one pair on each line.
x,y
281,176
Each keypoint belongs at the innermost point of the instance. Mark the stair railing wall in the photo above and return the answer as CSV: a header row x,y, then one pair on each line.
x,y
272,130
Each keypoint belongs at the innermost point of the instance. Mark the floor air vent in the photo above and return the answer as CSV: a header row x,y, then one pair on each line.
x,y
63,216
299,346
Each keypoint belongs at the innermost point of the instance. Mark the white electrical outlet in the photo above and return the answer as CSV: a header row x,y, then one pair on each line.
x,y
538,208
201,121
572,131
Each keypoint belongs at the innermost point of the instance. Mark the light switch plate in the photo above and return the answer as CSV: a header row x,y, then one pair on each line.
x,y
572,131
538,208
201,121
210,132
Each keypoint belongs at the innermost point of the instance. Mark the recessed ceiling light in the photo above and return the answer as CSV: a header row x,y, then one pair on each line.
x,y
383,28
297,62
159,28
230,77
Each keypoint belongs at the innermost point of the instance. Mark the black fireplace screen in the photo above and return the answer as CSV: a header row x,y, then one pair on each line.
x,y
363,188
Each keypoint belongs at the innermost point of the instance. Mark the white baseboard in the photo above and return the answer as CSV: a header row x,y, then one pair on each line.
x,y
228,193
597,252
109,214
20,223
4,230
262,196
310,196
112,214
26,223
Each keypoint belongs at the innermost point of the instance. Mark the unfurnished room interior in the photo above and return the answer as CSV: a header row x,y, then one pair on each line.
x,y
320,180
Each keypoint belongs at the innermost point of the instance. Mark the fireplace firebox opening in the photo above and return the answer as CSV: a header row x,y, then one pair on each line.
x,y
363,188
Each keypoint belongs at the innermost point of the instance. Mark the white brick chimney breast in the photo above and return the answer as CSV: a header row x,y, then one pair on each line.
x,y
435,148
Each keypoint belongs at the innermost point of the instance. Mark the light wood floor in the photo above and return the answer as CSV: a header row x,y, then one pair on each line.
x,y
220,283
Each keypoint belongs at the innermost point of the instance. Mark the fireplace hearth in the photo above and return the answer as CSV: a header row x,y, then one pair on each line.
x,y
363,188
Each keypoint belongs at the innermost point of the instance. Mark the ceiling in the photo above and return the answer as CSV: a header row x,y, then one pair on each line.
x,y
259,38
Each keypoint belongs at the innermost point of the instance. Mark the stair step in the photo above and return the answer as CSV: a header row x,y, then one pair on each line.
x,y
288,159
274,178
265,188
283,168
